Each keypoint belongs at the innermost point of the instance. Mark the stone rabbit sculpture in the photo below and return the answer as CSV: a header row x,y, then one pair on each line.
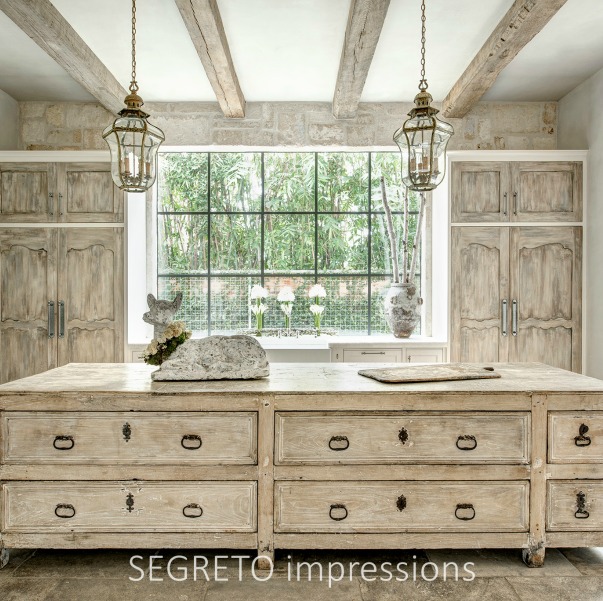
x,y
161,312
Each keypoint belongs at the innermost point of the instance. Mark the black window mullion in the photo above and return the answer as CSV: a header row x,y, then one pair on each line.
x,y
315,217
208,244
370,228
262,225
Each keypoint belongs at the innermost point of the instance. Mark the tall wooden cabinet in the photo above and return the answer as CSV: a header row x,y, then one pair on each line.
x,y
516,290
61,285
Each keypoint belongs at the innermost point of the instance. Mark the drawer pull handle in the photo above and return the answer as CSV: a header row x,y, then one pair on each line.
x,y
63,510
466,442
192,510
401,503
130,502
582,440
581,512
403,435
339,443
191,442
335,513
63,443
462,507
127,431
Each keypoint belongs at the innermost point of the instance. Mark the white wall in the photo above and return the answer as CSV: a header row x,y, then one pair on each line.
x,y
9,122
580,126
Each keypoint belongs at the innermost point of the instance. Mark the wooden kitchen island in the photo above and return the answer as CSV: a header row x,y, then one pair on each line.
x,y
316,456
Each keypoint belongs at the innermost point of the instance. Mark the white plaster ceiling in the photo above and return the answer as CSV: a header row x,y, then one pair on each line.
x,y
289,50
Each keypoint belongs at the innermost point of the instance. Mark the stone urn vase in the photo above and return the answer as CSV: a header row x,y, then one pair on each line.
x,y
402,309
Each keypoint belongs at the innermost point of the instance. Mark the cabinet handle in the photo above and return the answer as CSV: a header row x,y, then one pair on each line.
x,y
64,510
61,319
515,203
467,442
335,512
50,319
192,510
60,205
582,440
187,439
51,203
504,317
63,443
339,443
401,503
372,353
127,431
409,358
581,512
514,317
461,507
505,203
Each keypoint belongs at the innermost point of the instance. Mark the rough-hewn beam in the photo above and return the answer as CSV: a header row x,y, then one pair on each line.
x,y
204,24
45,25
521,23
365,22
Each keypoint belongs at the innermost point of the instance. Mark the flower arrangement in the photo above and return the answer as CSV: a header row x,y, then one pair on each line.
x,y
258,294
286,298
317,292
160,348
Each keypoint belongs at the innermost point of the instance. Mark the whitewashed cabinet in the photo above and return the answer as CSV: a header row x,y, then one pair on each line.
x,y
388,353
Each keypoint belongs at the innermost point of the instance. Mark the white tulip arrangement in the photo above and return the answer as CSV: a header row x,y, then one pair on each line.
x,y
258,294
286,298
317,292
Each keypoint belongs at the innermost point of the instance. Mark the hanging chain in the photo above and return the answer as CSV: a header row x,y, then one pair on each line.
x,y
133,84
423,82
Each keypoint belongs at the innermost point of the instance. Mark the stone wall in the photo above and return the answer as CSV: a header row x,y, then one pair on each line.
x,y
9,122
77,126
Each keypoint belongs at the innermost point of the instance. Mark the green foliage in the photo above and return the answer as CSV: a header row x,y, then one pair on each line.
x,y
165,349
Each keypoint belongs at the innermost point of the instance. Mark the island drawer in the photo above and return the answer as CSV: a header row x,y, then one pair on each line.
x,y
574,505
180,438
576,437
401,506
130,507
401,437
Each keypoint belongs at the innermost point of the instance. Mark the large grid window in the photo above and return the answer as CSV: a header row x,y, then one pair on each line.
x,y
228,220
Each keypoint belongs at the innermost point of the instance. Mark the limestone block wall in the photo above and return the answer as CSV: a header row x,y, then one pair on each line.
x,y
490,125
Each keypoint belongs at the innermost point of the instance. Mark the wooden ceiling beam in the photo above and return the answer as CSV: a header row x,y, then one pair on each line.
x,y
45,25
523,21
365,22
204,24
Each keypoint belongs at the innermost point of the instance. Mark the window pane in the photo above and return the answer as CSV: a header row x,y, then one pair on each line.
x,y
289,242
381,258
230,304
182,181
342,181
343,243
193,311
388,165
182,243
236,242
289,181
236,183
379,288
346,304
301,316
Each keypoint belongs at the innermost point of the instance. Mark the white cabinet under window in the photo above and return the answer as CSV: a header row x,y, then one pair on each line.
x,y
389,352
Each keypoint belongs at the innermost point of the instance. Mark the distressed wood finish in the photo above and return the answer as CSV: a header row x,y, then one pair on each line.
x,y
340,438
91,285
566,513
27,284
365,21
576,437
25,193
45,25
204,23
520,24
401,507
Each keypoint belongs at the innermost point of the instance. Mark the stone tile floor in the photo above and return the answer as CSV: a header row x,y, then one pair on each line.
x,y
499,575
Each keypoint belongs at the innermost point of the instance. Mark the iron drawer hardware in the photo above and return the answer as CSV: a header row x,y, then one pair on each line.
x,y
504,318
339,439
506,199
462,506
60,204
582,440
373,353
61,319
191,437
467,442
337,507
403,435
515,203
581,512
130,502
197,511
65,439
50,319
514,317
401,503
51,204
64,506
127,431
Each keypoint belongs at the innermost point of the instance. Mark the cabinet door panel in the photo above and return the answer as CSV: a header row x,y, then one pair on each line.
x,y
27,284
90,284
547,191
546,282
25,191
480,263
480,192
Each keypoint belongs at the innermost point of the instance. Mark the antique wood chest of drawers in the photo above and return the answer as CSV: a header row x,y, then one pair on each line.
x,y
315,456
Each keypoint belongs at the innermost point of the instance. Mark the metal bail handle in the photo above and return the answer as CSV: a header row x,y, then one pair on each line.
x,y
337,509
192,510
339,443
582,440
191,442
462,507
64,510
63,443
581,512
467,442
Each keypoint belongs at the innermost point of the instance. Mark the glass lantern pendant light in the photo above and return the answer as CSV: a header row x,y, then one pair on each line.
x,y
132,140
423,138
